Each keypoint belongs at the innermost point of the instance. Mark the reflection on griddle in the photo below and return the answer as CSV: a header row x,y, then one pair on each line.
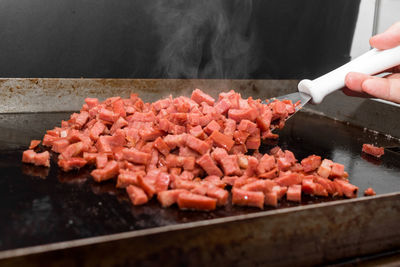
x,y
371,159
107,187
74,177
37,171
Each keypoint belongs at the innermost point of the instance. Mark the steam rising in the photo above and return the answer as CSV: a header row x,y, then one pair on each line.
x,y
205,39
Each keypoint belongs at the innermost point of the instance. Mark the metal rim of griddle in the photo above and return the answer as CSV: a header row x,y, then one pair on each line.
x,y
20,252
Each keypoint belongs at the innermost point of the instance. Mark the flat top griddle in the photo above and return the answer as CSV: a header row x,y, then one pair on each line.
x,y
41,206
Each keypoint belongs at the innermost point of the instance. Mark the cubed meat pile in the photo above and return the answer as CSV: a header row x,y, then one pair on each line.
x,y
192,152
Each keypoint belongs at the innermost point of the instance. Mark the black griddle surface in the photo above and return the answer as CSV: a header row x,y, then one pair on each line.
x,y
41,206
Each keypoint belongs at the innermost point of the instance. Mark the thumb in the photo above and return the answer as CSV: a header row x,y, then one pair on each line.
x,y
388,39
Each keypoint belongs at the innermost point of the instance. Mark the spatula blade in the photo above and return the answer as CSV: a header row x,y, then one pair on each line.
x,y
294,97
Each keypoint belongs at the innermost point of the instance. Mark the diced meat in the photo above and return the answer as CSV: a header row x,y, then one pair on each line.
x,y
260,185
101,160
147,184
211,127
71,163
120,123
184,151
173,161
136,195
222,140
197,144
243,114
286,161
266,164
49,139
197,132
215,180
271,199
126,178
218,154
264,120
174,141
247,126
222,106
38,159
118,108
294,193
241,137
324,169
230,165
337,170
311,163
199,96
162,146
280,191
91,102
207,163
109,171
135,156
60,145
270,174
179,148
162,182
97,129
169,197
311,188
347,188
247,198
253,142
252,166
106,115
369,192
326,184
34,144
90,157
196,202
143,117
373,150
289,179
230,127
81,119
219,194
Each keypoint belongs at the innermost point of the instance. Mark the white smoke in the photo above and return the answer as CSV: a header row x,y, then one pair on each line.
x,y
212,39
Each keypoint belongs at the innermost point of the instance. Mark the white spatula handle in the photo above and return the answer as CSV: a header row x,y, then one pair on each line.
x,y
372,62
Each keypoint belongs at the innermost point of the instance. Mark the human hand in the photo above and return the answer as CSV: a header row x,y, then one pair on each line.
x,y
388,87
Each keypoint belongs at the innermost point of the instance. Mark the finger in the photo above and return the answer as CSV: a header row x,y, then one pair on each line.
x,y
354,80
388,39
349,92
392,76
388,89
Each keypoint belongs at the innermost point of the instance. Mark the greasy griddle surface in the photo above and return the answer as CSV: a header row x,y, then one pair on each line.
x,y
40,205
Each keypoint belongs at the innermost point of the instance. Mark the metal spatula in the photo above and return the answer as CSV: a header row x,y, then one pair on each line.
x,y
372,62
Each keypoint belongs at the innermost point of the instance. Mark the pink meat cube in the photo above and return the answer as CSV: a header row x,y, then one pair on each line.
x,y
199,96
135,156
169,197
311,163
196,202
197,144
230,165
136,195
222,140
109,171
211,127
247,198
294,193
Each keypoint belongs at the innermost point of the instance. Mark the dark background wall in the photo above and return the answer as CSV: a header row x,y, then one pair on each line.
x,y
175,39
